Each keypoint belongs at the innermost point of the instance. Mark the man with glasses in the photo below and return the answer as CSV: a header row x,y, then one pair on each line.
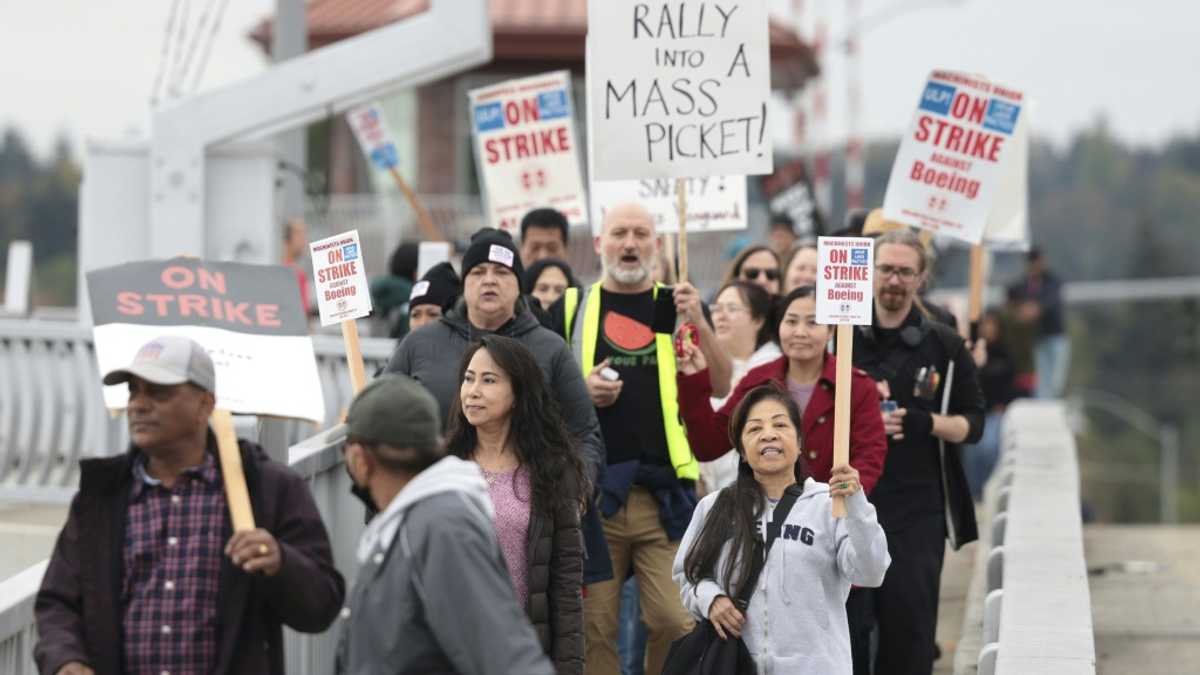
x,y
927,372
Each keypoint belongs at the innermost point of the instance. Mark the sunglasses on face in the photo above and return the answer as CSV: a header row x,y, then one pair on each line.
x,y
752,273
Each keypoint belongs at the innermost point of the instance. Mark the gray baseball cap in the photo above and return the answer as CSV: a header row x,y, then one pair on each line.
x,y
170,359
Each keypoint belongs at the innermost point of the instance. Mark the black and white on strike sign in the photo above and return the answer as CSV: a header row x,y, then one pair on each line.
x,y
679,89
341,281
789,192
248,317
845,280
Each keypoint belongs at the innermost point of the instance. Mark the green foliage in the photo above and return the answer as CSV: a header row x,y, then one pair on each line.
x,y
39,202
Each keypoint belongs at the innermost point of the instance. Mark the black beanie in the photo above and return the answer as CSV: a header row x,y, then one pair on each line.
x,y
494,246
439,286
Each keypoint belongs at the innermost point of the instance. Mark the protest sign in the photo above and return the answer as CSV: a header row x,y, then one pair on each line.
x,y
679,89
952,164
341,280
248,317
713,203
527,150
370,129
845,295
789,192
845,275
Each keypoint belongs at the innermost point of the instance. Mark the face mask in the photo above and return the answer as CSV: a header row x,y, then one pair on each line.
x,y
363,495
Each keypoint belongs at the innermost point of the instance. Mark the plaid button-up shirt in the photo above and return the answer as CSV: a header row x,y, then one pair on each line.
x,y
174,540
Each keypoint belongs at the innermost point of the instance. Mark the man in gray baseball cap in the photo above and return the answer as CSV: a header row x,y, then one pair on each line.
x,y
433,535
167,360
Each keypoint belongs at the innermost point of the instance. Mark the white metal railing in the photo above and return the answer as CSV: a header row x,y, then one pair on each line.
x,y
319,461
1030,610
52,413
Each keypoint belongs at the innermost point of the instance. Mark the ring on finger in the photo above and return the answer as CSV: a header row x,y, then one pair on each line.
x,y
263,550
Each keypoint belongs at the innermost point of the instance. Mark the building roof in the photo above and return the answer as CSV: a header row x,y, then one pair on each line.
x,y
549,31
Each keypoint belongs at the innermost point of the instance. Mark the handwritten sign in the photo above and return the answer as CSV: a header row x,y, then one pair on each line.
x,y
341,280
527,154
679,89
248,318
845,278
952,163
714,203
789,192
370,128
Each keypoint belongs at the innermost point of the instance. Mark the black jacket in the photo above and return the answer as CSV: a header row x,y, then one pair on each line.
x,y
78,608
920,479
555,605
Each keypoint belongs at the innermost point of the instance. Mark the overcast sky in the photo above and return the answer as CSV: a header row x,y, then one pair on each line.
x,y
87,68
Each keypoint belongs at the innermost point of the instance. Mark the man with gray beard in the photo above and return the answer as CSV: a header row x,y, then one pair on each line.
x,y
620,332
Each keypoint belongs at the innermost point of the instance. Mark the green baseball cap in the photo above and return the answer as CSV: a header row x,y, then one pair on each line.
x,y
397,411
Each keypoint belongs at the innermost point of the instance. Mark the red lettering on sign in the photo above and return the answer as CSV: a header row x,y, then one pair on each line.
x,y
267,315
129,304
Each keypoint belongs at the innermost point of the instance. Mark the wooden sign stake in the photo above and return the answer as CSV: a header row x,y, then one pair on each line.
x,y
358,375
429,229
236,494
975,301
681,207
841,406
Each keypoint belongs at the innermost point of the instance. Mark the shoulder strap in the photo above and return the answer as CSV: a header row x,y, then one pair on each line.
x,y
761,551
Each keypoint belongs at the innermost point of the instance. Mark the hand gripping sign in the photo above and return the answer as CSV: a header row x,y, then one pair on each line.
x,y
528,152
248,318
845,293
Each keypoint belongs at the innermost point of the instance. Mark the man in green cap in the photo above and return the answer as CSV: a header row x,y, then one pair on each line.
x,y
433,593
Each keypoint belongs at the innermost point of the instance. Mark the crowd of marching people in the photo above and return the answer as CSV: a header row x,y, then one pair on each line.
x,y
614,477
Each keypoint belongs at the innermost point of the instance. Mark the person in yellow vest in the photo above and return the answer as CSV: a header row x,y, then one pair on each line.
x,y
620,330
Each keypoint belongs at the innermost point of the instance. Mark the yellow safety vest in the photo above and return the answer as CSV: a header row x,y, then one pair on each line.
x,y
584,347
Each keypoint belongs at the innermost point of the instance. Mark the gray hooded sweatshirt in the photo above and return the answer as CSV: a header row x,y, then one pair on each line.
x,y
433,594
796,622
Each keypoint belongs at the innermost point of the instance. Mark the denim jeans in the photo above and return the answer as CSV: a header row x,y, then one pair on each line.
x,y
1052,357
979,460
631,640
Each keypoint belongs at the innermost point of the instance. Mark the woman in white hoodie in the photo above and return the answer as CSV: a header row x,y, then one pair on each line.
x,y
796,621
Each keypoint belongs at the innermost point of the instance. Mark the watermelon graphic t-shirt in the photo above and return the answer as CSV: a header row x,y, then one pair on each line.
x,y
633,426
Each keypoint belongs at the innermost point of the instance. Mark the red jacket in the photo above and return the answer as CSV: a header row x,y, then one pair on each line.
x,y
708,431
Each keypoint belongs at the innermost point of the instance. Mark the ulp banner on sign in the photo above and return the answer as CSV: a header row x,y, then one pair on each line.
x,y
527,152
341,279
713,203
953,164
248,318
679,89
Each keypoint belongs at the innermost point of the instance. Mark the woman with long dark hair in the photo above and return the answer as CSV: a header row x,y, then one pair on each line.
x,y
796,619
809,374
507,423
758,264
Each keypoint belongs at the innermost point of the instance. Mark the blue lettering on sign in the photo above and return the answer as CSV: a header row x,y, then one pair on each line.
x,y
858,256
552,104
350,252
385,156
1001,116
937,98
489,116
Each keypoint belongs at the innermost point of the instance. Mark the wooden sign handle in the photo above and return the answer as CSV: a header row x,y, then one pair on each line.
x,y
975,300
841,406
236,494
681,207
429,229
354,358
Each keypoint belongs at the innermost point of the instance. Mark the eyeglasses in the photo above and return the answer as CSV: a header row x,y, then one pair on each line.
x,y
904,273
751,273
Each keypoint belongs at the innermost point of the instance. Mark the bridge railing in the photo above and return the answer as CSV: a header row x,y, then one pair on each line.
x,y
319,461
52,413
1029,611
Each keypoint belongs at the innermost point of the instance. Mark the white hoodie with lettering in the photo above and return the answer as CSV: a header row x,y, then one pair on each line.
x,y
796,622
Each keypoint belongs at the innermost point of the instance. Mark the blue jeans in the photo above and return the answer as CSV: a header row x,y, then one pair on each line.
x,y
1052,357
631,636
979,460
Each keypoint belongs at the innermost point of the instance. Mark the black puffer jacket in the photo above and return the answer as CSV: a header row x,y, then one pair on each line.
x,y
555,605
